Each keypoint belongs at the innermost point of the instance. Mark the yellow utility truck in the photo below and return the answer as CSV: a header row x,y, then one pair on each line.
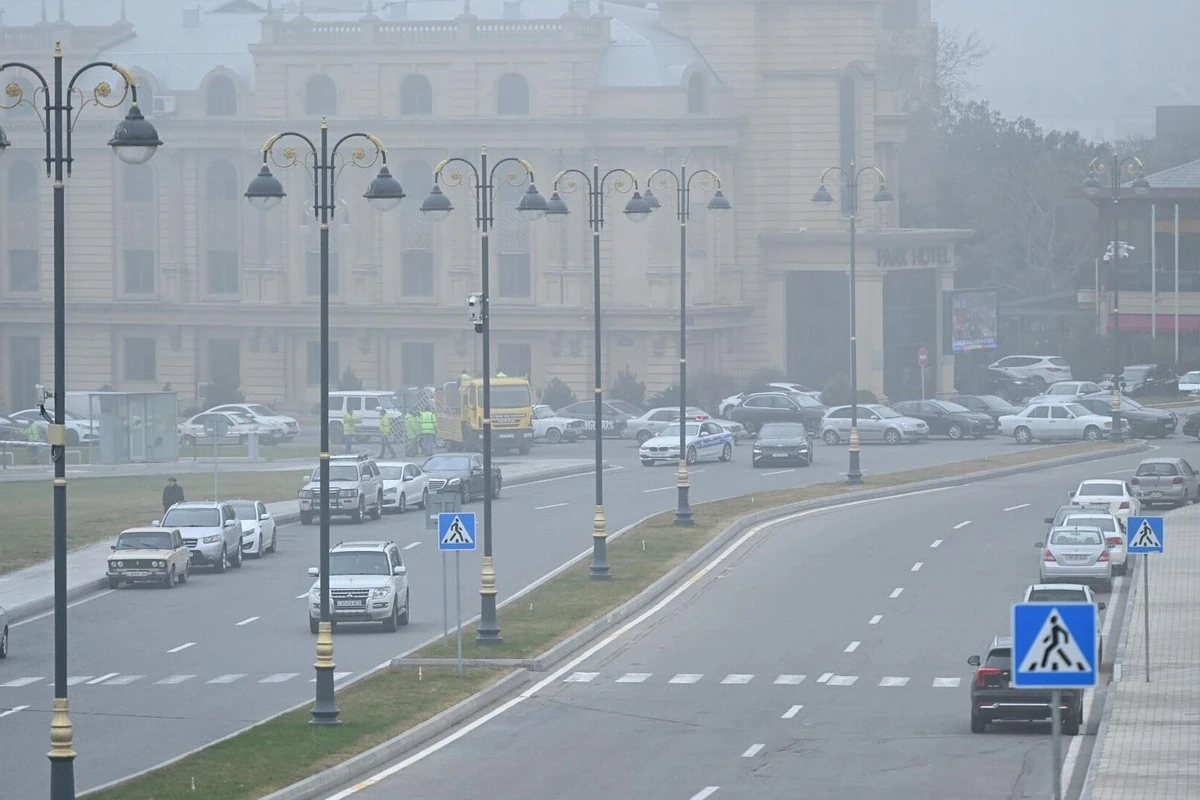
x,y
460,414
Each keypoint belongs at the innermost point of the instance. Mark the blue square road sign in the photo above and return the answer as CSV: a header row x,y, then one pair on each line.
x,y
1055,645
456,531
1145,535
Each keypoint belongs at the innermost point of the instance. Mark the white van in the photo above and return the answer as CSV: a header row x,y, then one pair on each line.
x,y
366,405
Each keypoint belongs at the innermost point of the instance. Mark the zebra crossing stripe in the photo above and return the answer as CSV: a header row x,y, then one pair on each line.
x,y
123,680
737,679
19,682
582,677
280,677
173,680
236,676
789,680
686,677
634,677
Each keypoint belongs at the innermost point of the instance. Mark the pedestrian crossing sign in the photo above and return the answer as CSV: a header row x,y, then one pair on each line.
x,y
456,531
1055,645
1145,535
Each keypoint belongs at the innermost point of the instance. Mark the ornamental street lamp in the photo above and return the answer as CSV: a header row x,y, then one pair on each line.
x,y
850,186
682,183
482,181
1135,169
58,106
638,210
324,164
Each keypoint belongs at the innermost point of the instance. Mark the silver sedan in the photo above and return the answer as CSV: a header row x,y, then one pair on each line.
x,y
1076,555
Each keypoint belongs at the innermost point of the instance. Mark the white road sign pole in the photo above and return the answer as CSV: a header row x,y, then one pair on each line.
x,y
445,602
458,610
1146,608
1056,741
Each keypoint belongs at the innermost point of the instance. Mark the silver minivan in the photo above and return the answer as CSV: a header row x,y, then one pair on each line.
x,y
211,530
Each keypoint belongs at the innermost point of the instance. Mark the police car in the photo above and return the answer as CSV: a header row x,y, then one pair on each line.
x,y
704,440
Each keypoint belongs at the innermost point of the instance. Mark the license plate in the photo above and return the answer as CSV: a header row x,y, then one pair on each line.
x,y
506,436
779,455
349,603
1077,558
1156,494
138,573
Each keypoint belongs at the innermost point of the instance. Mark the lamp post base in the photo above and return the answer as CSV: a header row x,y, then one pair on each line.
x,y
325,710
488,630
683,509
62,754
600,570
854,473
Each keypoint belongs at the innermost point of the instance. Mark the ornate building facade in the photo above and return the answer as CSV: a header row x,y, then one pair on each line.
x,y
174,278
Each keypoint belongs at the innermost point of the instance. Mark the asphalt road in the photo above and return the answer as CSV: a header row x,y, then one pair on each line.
x,y
155,673
826,657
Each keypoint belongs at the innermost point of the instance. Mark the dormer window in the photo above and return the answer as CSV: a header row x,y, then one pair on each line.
x,y
221,100
697,94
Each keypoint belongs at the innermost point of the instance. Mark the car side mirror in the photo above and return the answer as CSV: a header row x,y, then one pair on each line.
x,y
407,478
1102,605
1040,545
1049,520
476,470
231,523
313,572
155,523
112,547
400,570
1071,493
264,516
974,661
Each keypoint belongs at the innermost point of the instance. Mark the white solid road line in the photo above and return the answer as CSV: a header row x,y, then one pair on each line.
x,y
102,678
406,547
936,543
791,712
247,621
875,619
753,750
707,791
13,710
660,489
896,592
1015,508
181,647
555,677
80,602
612,468
777,472
850,648
917,566
962,524
552,505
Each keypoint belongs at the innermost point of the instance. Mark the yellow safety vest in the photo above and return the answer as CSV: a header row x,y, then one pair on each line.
x,y
348,423
385,424
428,422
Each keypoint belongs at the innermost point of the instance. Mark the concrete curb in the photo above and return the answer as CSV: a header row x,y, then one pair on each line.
x,y
381,754
34,607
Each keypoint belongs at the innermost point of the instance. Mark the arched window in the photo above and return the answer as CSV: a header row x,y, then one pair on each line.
x,y
512,96
221,182
222,98
320,96
697,94
416,95
137,183
23,180
416,236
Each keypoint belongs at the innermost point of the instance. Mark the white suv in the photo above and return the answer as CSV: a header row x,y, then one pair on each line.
x,y
355,489
1041,371
366,406
368,582
210,530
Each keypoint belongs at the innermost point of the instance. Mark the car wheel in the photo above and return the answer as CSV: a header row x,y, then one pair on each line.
x,y
554,436
1038,383
220,565
114,583
955,432
691,455
727,452
236,561
169,581
497,485
1070,727
404,616
425,498
891,436
274,541
1022,435
1091,433
831,437
306,518
978,724
190,441
389,624
754,463
643,437
313,625
357,516
4,642
464,496
187,573
377,509
402,504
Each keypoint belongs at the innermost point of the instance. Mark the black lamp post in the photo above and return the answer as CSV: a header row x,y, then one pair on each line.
x,y
134,141
638,210
1135,169
682,182
265,192
438,206
822,197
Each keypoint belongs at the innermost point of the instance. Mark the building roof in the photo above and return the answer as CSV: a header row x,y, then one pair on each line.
x,y
179,54
1184,176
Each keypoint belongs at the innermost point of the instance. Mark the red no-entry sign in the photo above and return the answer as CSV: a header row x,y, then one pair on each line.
x,y
923,357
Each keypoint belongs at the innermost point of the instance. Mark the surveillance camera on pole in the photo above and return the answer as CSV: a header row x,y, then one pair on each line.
x,y
475,310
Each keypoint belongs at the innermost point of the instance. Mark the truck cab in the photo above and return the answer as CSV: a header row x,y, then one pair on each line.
x,y
460,414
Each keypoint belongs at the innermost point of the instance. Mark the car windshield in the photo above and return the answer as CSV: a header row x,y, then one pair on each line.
x,y
448,463
510,397
391,473
1137,373
1190,377
953,408
260,410
999,659
885,412
1159,469
192,518
1108,524
625,408
543,412
1078,410
1100,489
1063,388
1077,536
1057,596
673,431
144,541
338,472
782,430
245,509
992,401
359,564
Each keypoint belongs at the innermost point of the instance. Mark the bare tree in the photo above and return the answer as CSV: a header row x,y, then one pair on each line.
x,y
958,55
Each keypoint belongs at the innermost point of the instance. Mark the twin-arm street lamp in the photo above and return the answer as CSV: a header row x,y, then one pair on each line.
x,y
1135,169
482,181
682,183
638,210
324,164
849,180
58,104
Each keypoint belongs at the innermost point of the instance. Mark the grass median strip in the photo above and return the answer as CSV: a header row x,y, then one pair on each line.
x,y
287,750
100,508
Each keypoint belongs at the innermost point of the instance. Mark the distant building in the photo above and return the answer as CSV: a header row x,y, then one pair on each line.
x,y
174,278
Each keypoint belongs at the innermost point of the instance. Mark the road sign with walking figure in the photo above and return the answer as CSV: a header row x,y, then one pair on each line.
x,y
456,530
1145,535
1054,645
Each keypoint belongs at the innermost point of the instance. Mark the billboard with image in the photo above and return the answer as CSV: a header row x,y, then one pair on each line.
x,y
970,320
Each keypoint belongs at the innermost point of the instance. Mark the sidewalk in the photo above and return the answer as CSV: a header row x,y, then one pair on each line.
x,y
1151,735
30,591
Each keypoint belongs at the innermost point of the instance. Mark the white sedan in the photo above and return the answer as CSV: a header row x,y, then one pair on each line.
x,y
1055,422
704,440
258,527
281,426
404,484
1112,495
202,427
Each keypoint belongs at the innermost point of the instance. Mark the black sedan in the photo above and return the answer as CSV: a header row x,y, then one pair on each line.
x,y
1144,422
992,405
613,421
782,443
461,474
756,410
948,419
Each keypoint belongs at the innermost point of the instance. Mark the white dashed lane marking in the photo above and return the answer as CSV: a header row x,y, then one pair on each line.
x,y
895,593
230,678
634,677
247,621
552,505
174,680
280,677
917,566
946,683
825,678
181,647
102,678
706,792
1016,508
13,684
791,712
582,677
875,619
753,750
843,680
962,524
337,676
894,682
12,710
936,543
123,680
410,546
850,648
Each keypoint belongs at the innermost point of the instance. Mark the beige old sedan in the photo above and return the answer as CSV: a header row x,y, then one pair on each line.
x,y
149,555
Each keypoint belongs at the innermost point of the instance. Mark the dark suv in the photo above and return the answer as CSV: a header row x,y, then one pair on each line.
x,y
993,698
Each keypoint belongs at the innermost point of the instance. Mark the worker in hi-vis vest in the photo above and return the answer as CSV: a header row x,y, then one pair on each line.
x,y
385,435
428,432
348,423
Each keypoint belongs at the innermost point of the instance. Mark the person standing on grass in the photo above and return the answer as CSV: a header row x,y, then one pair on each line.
x,y
172,494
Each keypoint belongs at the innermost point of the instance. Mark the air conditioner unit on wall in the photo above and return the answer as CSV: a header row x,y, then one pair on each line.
x,y
164,105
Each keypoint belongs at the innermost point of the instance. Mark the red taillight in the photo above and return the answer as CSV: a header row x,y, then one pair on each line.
x,y
1124,504
1103,556
1177,481
1135,481
1113,540
1048,556
983,673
